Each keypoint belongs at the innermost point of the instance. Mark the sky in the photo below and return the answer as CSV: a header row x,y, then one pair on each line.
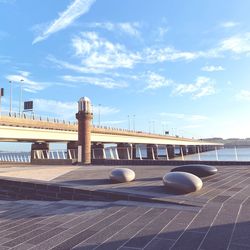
x,y
155,65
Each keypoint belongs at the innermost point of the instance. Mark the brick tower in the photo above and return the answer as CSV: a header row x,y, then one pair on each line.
x,y
84,117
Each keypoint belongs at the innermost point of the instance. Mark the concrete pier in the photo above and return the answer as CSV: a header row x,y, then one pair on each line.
x,y
124,151
152,151
171,153
97,150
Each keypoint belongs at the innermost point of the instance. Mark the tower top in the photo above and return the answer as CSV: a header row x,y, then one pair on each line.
x,y
84,105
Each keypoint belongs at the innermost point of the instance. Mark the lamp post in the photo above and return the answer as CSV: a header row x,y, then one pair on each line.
x,y
20,97
10,82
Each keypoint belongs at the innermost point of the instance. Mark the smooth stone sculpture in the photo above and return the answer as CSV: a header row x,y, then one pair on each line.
x,y
122,175
199,170
182,182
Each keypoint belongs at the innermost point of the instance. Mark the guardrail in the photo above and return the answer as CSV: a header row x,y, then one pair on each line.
x,y
32,116
224,154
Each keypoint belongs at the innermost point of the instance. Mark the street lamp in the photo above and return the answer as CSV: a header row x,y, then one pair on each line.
x,y
20,97
10,97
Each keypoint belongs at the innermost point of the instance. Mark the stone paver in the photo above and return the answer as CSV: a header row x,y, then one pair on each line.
x,y
217,217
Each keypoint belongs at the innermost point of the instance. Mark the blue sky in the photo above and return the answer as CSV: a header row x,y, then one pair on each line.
x,y
158,65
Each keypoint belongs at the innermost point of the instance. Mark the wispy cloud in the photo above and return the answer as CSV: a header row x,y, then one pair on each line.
x,y
129,28
156,81
188,117
203,86
229,24
97,52
243,95
5,59
104,82
66,18
212,68
28,84
238,44
77,68
67,110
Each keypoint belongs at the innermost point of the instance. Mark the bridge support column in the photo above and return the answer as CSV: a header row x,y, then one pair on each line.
x,y
191,150
171,153
124,151
133,151
198,149
184,150
84,117
72,150
152,151
39,150
97,151
204,148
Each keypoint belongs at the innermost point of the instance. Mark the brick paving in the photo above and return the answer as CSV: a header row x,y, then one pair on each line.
x,y
216,217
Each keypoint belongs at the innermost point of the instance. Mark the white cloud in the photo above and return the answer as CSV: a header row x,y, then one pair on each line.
x,y
129,28
104,82
155,81
203,86
212,68
238,44
66,18
188,117
243,95
97,52
229,24
151,55
98,55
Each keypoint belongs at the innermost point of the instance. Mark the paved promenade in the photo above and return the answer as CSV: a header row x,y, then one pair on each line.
x,y
216,217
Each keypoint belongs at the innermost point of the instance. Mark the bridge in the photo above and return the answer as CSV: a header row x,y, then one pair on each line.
x,y
83,135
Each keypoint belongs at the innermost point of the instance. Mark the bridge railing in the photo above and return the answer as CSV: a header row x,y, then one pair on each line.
x,y
35,117
233,153
15,157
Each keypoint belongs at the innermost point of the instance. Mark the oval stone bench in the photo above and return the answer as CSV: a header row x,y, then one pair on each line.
x,y
122,175
182,182
199,170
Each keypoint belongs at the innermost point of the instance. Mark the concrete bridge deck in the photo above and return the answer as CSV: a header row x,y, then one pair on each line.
x,y
216,217
28,130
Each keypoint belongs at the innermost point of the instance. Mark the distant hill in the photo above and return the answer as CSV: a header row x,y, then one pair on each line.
x,y
231,142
